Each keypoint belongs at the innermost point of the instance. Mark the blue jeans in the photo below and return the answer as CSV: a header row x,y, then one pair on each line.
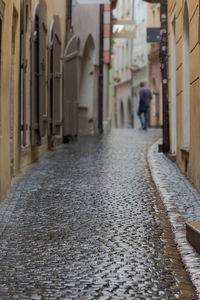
x,y
143,114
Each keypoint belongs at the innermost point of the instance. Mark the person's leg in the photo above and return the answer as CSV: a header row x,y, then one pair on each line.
x,y
141,119
146,117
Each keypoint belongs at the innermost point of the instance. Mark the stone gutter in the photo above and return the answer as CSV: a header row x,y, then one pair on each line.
x,y
182,202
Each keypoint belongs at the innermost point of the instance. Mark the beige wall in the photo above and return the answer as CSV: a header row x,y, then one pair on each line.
x,y
85,23
188,160
121,69
155,83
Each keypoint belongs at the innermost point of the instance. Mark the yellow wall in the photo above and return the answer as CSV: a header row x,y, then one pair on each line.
x,y
5,91
30,154
10,86
55,7
176,6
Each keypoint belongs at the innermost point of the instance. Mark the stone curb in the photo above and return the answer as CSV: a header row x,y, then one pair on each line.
x,y
182,203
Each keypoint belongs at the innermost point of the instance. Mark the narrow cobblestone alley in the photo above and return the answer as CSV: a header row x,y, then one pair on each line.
x,y
83,224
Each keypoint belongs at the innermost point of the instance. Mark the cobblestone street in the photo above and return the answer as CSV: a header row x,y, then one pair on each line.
x,y
87,223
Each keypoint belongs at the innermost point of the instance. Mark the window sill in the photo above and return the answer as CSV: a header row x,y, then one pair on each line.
x,y
185,150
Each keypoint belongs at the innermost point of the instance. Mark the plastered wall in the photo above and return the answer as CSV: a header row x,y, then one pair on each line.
x,y
188,160
13,155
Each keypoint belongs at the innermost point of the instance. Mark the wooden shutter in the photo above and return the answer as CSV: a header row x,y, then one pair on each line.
x,y
42,67
38,101
35,138
57,120
70,90
49,88
24,65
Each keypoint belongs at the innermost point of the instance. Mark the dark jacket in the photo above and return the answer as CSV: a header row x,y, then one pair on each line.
x,y
145,96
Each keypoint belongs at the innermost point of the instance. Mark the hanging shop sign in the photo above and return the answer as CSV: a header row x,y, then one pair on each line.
x,y
153,35
124,29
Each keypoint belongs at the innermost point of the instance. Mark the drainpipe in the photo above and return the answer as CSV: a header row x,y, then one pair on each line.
x,y
164,72
100,98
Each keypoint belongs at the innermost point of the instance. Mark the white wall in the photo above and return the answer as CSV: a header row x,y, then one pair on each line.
x,y
139,53
122,47
85,21
123,96
122,63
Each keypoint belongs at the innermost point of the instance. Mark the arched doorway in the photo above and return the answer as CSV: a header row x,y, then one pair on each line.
x,y
121,115
186,80
25,74
38,99
87,103
54,112
12,89
50,91
129,114
70,89
152,119
154,105
173,85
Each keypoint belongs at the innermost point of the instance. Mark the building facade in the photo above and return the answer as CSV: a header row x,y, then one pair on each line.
x,y
32,42
155,82
139,57
86,26
49,80
122,73
9,78
183,85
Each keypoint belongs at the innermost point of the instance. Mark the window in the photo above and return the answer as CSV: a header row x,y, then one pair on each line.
x,y
123,59
127,55
158,16
154,18
128,9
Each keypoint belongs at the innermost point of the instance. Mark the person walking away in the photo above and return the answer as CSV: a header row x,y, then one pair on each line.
x,y
145,97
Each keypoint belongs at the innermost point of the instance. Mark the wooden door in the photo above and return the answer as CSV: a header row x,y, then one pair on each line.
x,y
42,67
24,70
56,112
39,109
71,88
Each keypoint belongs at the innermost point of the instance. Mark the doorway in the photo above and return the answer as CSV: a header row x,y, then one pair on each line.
x,y
173,85
186,81
121,115
12,91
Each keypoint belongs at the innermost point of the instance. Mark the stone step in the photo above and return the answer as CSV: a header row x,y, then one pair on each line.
x,y
193,234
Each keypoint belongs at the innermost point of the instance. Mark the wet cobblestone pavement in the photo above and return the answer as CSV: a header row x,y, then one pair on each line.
x,y
182,202
84,224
